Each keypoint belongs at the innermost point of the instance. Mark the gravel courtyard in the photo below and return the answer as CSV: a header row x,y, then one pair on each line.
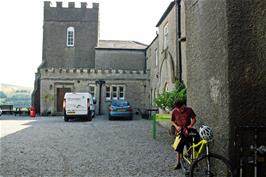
x,y
48,146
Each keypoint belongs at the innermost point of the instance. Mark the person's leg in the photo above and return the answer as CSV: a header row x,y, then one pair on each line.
x,y
178,156
179,151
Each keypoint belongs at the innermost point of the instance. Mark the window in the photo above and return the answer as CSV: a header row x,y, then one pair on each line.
x,y
70,36
114,92
156,57
121,93
92,90
165,36
107,93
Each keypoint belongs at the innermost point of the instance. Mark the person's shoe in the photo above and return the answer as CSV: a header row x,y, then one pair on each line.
x,y
178,166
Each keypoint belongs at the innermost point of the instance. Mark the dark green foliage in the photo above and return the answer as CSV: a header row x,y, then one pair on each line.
x,y
167,99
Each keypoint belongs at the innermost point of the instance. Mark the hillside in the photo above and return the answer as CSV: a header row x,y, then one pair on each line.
x,y
19,96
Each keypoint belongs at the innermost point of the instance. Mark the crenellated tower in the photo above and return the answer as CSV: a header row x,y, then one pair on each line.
x,y
74,60
70,35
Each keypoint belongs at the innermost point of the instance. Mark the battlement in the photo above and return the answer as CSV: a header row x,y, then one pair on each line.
x,y
71,13
91,70
59,4
90,73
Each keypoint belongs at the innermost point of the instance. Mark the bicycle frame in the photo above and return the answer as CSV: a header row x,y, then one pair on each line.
x,y
192,149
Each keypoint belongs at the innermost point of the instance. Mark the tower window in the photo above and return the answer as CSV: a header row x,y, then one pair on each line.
x,y
70,36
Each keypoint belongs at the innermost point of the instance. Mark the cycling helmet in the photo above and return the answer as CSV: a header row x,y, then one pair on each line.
x,y
206,132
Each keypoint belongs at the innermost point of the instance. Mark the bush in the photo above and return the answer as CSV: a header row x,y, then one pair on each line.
x,y
166,100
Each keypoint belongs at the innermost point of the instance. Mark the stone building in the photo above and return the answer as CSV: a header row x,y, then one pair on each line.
x,y
74,59
217,48
166,58
222,64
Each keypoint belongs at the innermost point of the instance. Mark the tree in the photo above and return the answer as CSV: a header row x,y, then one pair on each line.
x,y
2,95
48,101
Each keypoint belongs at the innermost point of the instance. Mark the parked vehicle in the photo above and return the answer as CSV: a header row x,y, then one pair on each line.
x,y
121,109
78,105
1,111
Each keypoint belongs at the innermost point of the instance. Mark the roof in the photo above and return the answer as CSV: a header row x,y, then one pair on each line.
x,y
169,8
117,44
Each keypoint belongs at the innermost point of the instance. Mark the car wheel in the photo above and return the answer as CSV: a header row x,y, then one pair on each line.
x,y
110,117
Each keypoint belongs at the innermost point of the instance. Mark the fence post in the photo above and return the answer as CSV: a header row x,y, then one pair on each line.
x,y
154,126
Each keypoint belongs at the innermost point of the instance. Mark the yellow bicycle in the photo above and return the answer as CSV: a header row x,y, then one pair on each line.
x,y
198,161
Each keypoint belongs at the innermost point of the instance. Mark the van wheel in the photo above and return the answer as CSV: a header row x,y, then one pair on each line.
x,y
89,116
66,119
65,116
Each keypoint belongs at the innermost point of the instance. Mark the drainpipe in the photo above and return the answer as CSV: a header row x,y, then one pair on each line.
x,y
100,83
145,62
178,40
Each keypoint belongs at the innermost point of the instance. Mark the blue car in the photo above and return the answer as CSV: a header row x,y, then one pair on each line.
x,y
120,109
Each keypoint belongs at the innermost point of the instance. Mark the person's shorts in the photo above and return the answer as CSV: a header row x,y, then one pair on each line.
x,y
187,140
180,146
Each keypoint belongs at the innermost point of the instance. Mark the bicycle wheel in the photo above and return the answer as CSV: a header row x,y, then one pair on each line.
x,y
212,165
183,161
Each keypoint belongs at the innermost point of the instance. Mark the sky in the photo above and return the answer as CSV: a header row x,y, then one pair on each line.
x,y
21,31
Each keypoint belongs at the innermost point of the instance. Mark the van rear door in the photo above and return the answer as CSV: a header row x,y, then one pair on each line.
x,y
76,104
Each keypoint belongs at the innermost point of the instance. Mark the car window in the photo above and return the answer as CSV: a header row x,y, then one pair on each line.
x,y
120,103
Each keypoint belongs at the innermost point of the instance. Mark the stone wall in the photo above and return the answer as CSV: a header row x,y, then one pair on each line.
x,y
207,66
78,80
153,68
127,59
247,70
247,61
226,78
168,65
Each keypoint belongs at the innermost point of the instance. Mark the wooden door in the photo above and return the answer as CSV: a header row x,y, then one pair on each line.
x,y
60,98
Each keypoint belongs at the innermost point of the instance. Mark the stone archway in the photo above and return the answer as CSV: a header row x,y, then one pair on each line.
x,y
167,68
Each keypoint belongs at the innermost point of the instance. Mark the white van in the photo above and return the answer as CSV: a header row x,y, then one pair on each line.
x,y
78,104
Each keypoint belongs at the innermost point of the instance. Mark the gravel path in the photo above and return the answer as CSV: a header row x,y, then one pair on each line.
x,y
48,146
